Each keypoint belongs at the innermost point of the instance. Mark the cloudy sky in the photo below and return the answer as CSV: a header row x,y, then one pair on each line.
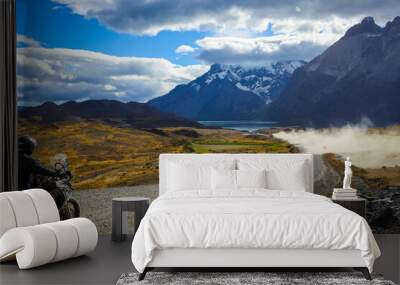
x,y
137,50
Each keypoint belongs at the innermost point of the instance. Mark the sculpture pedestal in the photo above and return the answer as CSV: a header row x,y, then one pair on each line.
x,y
344,194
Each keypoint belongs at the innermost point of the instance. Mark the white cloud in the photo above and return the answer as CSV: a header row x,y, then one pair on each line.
x,y
120,94
224,17
28,41
301,28
54,74
109,87
184,49
293,39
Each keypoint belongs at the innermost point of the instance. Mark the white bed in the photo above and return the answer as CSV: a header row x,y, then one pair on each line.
x,y
248,227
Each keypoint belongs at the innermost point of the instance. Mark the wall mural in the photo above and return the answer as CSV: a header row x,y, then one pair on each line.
x,y
104,87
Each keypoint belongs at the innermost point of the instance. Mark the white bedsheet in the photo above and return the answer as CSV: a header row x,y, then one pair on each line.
x,y
250,219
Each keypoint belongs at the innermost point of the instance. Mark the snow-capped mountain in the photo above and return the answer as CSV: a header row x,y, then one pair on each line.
x,y
357,77
228,92
262,81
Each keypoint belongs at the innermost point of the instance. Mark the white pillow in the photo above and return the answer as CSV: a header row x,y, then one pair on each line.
x,y
223,179
189,174
251,178
281,174
227,179
185,178
292,179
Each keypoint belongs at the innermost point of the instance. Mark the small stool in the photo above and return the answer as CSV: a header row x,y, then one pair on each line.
x,y
120,206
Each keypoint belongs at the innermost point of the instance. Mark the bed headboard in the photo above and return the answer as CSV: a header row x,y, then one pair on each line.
x,y
165,157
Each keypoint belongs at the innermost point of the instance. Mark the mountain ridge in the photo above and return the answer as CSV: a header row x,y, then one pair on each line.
x,y
131,114
227,92
357,77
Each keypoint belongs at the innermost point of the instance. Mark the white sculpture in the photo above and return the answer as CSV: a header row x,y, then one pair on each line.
x,y
348,173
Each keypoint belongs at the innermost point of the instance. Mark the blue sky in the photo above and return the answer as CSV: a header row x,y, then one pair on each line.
x,y
57,26
138,50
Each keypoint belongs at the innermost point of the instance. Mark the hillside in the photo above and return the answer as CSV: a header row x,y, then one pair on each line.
x,y
103,155
132,114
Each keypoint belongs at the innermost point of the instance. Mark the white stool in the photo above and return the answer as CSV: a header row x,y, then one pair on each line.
x,y
31,230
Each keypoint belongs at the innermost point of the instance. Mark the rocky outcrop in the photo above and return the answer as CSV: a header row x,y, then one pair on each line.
x,y
383,210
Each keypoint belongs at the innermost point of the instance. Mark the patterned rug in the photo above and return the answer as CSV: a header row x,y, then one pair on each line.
x,y
243,278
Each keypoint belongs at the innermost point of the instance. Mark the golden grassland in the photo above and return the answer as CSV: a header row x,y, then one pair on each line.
x,y
103,155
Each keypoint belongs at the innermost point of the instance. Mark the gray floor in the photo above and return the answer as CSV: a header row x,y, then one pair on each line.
x,y
104,266
110,260
389,262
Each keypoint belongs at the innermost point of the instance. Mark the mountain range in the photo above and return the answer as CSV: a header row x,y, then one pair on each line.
x,y
357,77
132,114
228,92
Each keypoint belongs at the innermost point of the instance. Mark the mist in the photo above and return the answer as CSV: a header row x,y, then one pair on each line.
x,y
367,147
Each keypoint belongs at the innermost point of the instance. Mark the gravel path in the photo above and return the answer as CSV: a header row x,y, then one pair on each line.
x,y
96,203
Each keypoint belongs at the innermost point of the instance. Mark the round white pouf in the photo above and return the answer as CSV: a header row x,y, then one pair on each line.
x,y
52,242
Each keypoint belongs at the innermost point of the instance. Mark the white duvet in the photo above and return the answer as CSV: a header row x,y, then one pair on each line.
x,y
250,219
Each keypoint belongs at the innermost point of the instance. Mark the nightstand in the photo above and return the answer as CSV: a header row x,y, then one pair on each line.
x,y
357,205
120,207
